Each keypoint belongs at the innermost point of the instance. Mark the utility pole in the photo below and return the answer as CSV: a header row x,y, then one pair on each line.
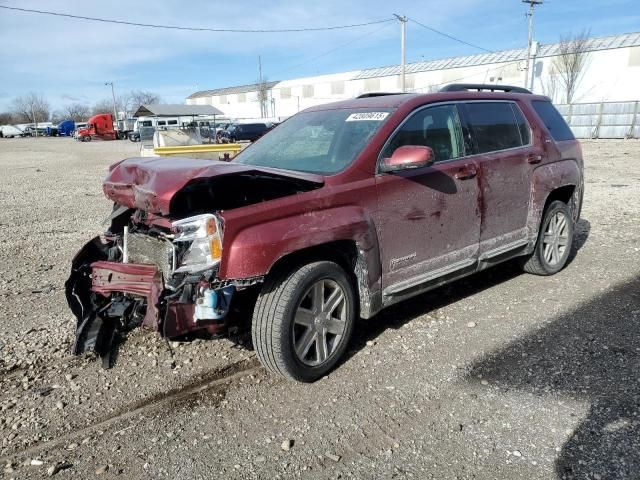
x,y
115,110
35,120
403,21
261,92
528,69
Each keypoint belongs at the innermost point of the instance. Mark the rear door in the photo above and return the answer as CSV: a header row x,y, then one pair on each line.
x,y
428,219
506,158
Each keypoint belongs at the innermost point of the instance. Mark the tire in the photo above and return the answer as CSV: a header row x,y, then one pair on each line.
x,y
87,138
555,239
286,313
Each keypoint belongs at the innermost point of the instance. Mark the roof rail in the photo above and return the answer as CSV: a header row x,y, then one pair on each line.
x,y
481,87
378,94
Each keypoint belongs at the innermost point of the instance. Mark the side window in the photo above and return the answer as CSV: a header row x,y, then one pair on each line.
x,y
523,126
494,126
437,127
553,120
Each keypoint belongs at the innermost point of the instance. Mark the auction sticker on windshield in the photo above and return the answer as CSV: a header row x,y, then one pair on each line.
x,y
363,116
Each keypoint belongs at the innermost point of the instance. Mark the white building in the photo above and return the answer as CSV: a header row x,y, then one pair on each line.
x,y
611,74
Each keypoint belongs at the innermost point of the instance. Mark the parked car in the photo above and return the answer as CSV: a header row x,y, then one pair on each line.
x,y
245,131
134,136
32,131
341,211
11,131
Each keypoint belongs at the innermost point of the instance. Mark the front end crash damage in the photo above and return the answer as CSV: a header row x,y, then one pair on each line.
x,y
150,277
157,265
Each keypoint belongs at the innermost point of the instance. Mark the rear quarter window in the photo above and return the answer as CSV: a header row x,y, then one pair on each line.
x,y
494,126
552,119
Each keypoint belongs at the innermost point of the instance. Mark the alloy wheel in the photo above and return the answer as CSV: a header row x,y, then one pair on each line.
x,y
556,239
320,322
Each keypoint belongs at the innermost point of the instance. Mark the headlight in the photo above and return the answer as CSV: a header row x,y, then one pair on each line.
x,y
205,234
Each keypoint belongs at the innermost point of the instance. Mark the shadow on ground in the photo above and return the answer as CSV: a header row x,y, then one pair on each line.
x,y
590,353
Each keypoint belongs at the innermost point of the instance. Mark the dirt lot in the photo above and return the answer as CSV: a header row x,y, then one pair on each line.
x,y
501,376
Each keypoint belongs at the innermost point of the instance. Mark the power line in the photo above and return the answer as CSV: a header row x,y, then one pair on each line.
x,y
449,36
197,29
339,47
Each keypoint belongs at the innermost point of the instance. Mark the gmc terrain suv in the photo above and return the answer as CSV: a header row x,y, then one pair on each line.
x,y
341,211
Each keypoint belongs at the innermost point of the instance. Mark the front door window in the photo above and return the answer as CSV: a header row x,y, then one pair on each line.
x,y
437,127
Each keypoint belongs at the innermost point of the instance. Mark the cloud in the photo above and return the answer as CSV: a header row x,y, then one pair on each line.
x,y
68,59
74,98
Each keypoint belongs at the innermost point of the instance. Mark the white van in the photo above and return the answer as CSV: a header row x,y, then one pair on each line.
x,y
10,131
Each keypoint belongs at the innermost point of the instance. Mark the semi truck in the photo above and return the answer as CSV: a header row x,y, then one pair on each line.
x,y
66,128
102,126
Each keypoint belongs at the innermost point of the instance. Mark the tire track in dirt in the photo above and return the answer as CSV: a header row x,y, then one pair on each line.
x,y
216,380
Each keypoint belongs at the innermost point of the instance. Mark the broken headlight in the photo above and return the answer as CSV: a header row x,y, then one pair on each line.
x,y
204,234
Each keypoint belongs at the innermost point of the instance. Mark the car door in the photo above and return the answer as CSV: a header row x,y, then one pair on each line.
x,y
428,218
506,157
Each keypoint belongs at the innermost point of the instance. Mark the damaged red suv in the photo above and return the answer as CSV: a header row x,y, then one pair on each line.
x,y
339,212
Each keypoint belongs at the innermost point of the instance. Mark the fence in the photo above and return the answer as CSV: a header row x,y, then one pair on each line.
x,y
603,120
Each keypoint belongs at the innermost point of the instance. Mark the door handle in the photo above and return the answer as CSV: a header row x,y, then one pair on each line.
x,y
466,172
534,158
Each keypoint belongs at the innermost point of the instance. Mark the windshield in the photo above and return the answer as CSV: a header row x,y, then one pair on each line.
x,y
322,142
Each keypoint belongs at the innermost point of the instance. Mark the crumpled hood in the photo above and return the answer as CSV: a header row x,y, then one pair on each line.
x,y
149,183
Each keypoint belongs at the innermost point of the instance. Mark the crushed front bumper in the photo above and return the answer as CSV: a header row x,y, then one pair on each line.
x,y
110,297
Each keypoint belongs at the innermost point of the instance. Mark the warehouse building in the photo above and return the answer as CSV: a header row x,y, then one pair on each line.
x,y
611,74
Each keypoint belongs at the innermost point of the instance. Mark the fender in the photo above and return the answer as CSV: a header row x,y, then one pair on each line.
x,y
252,251
545,179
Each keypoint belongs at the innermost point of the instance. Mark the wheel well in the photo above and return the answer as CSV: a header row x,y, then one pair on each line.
x,y
342,252
562,194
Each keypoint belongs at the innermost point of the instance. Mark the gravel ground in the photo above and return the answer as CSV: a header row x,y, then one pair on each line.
x,y
502,375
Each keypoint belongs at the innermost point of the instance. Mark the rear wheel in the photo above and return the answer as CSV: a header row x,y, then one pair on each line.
x,y
303,320
554,241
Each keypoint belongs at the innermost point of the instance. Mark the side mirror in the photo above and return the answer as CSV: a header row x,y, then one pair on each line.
x,y
409,156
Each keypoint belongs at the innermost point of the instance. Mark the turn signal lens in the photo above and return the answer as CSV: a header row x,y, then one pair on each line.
x,y
216,248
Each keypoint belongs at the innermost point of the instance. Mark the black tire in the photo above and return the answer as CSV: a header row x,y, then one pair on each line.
x,y
273,329
538,262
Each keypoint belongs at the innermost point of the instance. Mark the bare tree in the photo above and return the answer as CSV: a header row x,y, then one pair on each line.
x,y
262,87
571,62
143,97
550,84
77,112
6,118
31,108
135,98
106,106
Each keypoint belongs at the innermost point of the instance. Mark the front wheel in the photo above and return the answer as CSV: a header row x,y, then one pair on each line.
x,y
303,320
554,241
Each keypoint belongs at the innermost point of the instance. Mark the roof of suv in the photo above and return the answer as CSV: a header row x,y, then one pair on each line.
x,y
395,101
